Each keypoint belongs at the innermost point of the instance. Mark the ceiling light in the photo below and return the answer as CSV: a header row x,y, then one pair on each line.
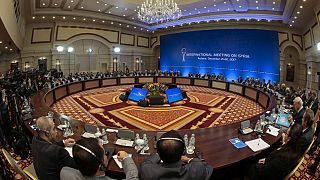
x,y
225,2
74,18
93,20
105,4
257,1
218,9
240,6
90,50
301,7
290,25
135,27
63,17
195,9
298,12
125,9
205,7
84,19
304,0
269,20
0,42
99,10
132,18
124,15
214,5
55,4
70,49
33,17
292,21
273,2
72,1
142,29
117,7
81,7
120,24
68,6
97,2
111,22
6,47
127,26
43,4
10,49
257,7
43,17
102,21
272,8
60,48
53,17
109,12
116,49
295,17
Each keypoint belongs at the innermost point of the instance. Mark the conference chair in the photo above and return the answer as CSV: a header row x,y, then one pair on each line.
x,y
31,172
14,164
291,174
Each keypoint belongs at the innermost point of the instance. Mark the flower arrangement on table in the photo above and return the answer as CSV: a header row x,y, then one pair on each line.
x,y
156,88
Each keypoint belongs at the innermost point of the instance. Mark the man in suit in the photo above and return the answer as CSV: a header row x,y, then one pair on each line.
x,y
313,102
169,162
90,157
48,156
298,110
307,132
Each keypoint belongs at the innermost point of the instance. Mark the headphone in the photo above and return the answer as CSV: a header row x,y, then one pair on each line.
x,y
102,166
47,133
175,139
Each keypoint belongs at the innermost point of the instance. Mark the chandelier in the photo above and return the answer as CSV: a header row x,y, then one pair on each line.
x,y
159,11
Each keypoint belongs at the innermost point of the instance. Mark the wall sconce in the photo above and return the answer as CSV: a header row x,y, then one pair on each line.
x,y
26,65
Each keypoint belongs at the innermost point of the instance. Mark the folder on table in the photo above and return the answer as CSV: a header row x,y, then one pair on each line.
x,y
236,142
257,145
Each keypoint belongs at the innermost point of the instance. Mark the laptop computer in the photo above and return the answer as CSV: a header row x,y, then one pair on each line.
x,y
283,120
245,127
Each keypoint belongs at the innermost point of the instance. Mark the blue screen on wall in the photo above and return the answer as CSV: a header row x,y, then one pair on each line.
x,y
137,94
232,52
174,95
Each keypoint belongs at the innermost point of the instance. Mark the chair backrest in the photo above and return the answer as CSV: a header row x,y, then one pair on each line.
x,y
31,172
300,161
295,169
14,164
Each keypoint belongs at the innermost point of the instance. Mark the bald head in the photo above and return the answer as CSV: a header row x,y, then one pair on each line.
x,y
45,124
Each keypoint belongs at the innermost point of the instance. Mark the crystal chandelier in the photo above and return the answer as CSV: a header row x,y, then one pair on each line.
x,y
158,11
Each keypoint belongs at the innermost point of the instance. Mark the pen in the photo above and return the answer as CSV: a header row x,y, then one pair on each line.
x,y
259,142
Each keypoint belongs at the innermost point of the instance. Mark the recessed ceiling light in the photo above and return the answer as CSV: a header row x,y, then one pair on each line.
x,y
258,19
132,18
195,8
292,21
43,17
205,7
6,47
304,0
69,6
102,21
33,17
257,1
148,29
124,15
97,2
190,13
111,22
142,29
93,20
295,17
225,2
135,10
74,18
0,42
10,49
301,7
128,26
298,12
237,0
214,5
240,6
99,10
228,9
238,19
125,9
199,12
135,27
269,20
218,9
290,25
63,17
106,4
84,19
55,4
53,17
117,7
120,24
81,7
109,12
208,10
72,1
43,4
273,2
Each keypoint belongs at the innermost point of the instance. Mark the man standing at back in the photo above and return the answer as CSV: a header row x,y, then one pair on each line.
x,y
170,164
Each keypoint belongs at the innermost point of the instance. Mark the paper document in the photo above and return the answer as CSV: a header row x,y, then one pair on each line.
x,y
88,135
69,149
273,131
112,130
257,145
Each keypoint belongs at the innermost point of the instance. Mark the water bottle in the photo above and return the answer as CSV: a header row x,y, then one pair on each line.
x,y
146,142
103,132
191,146
98,133
185,138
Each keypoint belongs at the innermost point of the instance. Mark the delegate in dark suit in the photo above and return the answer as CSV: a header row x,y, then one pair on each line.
x,y
49,159
298,115
153,169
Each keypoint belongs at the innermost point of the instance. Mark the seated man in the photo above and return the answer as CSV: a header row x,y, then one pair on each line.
x,y
298,110
91,159
49,157
280,161
308,130
170,163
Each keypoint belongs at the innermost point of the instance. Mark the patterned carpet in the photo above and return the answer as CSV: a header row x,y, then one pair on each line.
x,y
204,107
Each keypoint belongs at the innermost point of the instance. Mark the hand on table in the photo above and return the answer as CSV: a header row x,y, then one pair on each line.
x,y
184,158
122,155
69,142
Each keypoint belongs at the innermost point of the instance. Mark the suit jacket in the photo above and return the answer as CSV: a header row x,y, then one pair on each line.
x,y
314,105
297,116
49,159
153,169
128,165
276,166
305,139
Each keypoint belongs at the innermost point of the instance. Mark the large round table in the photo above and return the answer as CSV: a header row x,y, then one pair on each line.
x,y
212,142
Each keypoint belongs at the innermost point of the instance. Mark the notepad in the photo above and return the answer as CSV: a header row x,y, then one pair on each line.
x,y
273,131
236,142
115,157
257,145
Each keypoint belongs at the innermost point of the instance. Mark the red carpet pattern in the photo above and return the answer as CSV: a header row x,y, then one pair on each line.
x,y
204,107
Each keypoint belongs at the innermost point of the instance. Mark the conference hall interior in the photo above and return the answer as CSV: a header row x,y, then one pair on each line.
x,y
159,89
